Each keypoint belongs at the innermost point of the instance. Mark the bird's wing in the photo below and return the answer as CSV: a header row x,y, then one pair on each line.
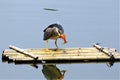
x,y
50,32
50,26
47,33
60,28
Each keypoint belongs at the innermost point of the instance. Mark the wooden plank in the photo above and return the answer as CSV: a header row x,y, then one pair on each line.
x,y
106,51
23,52
40,51
66,54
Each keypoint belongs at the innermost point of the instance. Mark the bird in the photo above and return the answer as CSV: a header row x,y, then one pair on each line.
x,y
54,31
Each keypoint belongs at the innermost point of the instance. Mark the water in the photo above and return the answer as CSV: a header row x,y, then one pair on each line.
x,y
85,21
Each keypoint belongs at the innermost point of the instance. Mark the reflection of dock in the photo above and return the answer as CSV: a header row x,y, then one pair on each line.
x,y
67,55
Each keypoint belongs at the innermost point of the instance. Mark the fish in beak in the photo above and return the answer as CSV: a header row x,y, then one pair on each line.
x,y
63,37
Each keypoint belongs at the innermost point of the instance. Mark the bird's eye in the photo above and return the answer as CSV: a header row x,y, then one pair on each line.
x,y
59,31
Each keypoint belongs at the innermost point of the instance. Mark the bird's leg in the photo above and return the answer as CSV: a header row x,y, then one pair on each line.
x,y
56,44
47,45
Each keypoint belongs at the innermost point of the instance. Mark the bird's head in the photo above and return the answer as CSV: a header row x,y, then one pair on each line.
x,y
63,37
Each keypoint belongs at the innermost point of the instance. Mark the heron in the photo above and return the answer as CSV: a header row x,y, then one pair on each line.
x,y
54,31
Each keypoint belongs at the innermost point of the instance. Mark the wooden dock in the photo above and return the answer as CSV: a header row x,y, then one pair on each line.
x,y
91,54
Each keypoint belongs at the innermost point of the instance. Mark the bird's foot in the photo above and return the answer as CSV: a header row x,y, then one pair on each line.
x,y
56,49
47,50
51,50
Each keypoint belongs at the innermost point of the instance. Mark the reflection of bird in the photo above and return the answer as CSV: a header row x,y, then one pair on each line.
x,y
54,31
52,72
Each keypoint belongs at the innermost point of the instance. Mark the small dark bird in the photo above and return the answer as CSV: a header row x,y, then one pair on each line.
x,y
54,31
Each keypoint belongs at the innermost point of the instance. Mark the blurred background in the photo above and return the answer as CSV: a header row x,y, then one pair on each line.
x,y
85,22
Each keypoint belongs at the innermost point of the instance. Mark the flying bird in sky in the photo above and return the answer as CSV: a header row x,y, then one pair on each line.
x,y
54,31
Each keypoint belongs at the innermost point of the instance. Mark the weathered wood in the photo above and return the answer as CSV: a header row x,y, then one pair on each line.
x,y
23,52
61,55
106,51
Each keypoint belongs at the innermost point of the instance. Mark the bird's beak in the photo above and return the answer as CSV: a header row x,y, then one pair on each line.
x,y
63,38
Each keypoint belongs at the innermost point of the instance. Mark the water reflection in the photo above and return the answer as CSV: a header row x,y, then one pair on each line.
x,y
52,72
